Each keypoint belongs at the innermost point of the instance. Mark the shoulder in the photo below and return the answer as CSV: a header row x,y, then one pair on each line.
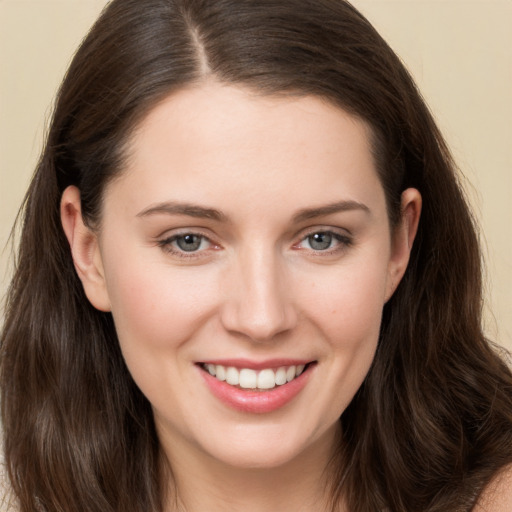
x,y
497,496
7,501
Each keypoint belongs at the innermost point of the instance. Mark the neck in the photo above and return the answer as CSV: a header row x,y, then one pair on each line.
x,y
200,483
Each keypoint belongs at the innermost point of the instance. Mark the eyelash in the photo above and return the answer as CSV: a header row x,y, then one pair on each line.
x,y
342,242
168,245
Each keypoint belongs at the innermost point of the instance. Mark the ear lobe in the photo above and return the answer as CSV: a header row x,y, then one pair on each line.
x,y
85,249
402,238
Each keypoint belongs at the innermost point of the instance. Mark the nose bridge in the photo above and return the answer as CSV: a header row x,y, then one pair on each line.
x,y
259,305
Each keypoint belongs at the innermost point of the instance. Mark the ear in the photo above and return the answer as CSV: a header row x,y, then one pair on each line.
x,y
85,249
402,239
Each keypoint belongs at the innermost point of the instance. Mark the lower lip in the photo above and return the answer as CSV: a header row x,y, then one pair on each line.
x,y
257,401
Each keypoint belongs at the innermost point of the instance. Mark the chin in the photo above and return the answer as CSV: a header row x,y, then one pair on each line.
x,y
259,459
267,449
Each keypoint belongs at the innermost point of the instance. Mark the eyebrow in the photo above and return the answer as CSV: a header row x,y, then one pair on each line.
x,y
192,210
178,208
329,209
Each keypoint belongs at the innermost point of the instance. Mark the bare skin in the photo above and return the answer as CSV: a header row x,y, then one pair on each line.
x,y
290,256
497,497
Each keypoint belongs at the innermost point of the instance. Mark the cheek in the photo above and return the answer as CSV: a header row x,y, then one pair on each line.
x,y
156,311
347,302
348,314
157,305
353,327
346,308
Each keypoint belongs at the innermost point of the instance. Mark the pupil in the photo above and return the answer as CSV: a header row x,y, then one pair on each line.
x,y
320,241
189,242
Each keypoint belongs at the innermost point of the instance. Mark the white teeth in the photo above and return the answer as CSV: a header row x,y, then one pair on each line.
x,y
266,379
232,376
281,376
247,378
220,372
290,373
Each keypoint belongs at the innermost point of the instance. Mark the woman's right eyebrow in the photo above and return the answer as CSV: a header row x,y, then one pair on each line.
x,y
180,208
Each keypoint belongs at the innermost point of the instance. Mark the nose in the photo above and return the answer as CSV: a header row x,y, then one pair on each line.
x,y
258,304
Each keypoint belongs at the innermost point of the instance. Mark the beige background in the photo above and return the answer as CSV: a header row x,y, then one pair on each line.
x,y
460,52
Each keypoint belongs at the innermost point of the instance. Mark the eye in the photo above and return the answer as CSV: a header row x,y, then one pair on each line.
x,y
327,241
190,243
320,241
186,243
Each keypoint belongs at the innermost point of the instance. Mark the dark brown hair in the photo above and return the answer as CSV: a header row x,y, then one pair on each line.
x,y
432,422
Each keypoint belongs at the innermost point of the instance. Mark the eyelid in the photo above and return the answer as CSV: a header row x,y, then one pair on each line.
x,y
343,236
166,240
345,239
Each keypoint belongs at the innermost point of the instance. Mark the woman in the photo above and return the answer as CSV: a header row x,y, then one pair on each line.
x,y
248,279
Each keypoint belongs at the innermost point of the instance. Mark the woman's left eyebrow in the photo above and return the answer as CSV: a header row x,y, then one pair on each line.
x,y
188,209
329,209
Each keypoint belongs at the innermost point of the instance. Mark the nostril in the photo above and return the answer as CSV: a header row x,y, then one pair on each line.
x,y
259,324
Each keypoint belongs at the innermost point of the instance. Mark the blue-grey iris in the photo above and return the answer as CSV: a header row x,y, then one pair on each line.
x,y
189,243
320,241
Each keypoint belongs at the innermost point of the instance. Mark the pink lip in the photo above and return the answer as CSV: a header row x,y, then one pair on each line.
x,y
258,365
256,401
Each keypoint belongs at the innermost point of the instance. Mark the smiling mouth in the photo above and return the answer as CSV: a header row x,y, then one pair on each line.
x,y
255,380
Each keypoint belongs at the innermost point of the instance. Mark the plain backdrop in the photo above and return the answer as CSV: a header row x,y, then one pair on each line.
x,y
459,51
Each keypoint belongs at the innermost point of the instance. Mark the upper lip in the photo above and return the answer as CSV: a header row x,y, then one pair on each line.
x,y
258,365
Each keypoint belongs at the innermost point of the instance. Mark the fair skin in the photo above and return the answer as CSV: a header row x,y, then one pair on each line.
x,y
497,497
247,232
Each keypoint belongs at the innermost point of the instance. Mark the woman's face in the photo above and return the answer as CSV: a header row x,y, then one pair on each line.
x,y
248,237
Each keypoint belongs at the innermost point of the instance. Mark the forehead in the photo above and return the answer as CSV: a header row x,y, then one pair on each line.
x,y
213,143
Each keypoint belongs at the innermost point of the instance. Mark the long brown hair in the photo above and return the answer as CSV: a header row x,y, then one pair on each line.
x,y
433,420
